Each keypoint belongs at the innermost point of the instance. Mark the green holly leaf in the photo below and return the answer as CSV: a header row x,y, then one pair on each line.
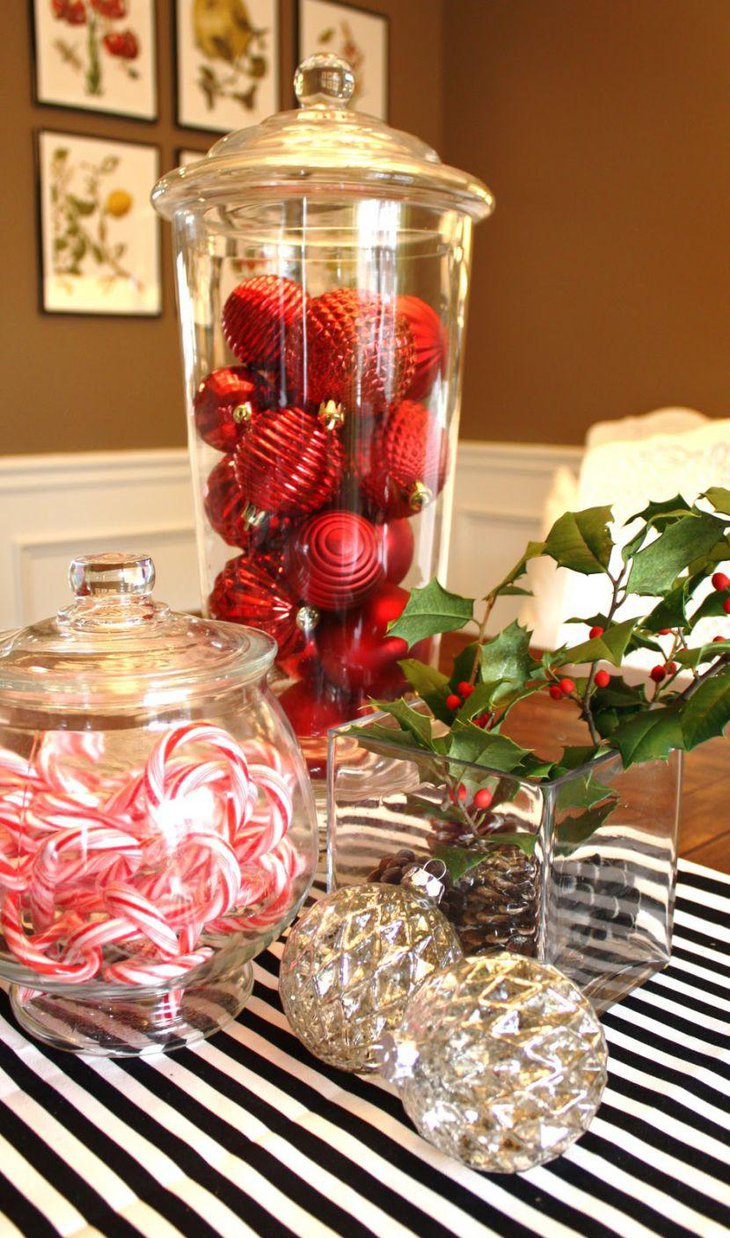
x,y
460,860
581,541
610,647
707,712
655,568
429,611
431,685
719,496
377,737
670,611
619,694
463,665
581,792
713,607
649,736
497,752
416,724
700,654
572,832
573,757
638,641
506,661
668,509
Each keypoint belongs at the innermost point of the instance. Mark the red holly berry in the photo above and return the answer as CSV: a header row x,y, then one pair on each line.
x,y
664,631
726,606
671,668
482,720
125,44
658,673
453,701
567,686
716,640
464,689
595,632
458,794
555,692
720,581
602,679
483,799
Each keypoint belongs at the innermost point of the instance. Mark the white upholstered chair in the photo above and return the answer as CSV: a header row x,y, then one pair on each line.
x,y
627,463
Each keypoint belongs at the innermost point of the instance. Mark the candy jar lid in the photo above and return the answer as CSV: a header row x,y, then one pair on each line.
x,y
322,147
115,649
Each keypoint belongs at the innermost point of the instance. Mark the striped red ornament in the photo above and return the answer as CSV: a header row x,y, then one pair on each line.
x,y
247,592
288,463
258,316
429,344
404,466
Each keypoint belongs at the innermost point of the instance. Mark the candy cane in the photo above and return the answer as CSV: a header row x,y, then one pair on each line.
x,y
128,903
32,956
270,823
200,733
141,970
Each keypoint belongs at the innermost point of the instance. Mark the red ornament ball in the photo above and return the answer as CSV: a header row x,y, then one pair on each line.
x,y
228,508
356,652
224,400
258,317
246,591
334,562
358,351
397,548
404,465
429,344
310,714
288,463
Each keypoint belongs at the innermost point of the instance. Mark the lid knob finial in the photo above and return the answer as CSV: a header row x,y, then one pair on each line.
x,y
113,573
324,80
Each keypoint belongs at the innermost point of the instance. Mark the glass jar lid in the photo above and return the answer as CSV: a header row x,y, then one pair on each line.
x,y
322,147
114,648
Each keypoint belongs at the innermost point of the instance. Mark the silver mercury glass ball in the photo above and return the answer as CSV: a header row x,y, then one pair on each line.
x,y
351,963
500,1061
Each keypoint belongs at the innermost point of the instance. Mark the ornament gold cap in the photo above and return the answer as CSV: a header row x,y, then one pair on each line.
x,y
419,495
243,413
307,618
252,517
331,414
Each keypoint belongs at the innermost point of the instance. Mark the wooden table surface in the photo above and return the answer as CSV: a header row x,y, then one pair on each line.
x,y
704,832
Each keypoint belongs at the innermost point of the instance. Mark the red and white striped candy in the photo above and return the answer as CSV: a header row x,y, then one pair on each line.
x,y
33,956
141,970
126,902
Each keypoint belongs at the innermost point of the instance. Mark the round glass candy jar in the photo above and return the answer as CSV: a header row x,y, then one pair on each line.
x,y
322,262
157,828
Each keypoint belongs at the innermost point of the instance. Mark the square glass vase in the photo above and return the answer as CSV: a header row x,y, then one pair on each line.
x,y
579,872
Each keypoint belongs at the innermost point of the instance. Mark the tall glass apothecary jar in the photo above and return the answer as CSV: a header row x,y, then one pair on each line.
x,y
322,264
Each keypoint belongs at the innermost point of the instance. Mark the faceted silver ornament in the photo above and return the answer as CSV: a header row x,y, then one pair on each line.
x,y
351,963
500,1061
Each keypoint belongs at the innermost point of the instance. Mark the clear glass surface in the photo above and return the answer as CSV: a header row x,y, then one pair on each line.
x,y
579,873
157,828
322,264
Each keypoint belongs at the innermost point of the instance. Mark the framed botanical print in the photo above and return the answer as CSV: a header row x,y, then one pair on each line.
x,y
359,37
96,54
227,62
100,238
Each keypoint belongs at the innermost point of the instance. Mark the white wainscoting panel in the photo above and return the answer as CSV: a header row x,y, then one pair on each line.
x,y
499,498
54,507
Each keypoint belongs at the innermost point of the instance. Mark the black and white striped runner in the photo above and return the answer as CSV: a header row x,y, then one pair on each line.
x,y
249,1135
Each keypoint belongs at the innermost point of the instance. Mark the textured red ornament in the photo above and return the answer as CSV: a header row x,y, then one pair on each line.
x,y
429,344
288,463
226,508
223,402
258,317
334,561
359,351
356,652
246,592
403,467
398,544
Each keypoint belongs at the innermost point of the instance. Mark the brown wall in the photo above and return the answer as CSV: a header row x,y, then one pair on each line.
x,y
87,383
601,286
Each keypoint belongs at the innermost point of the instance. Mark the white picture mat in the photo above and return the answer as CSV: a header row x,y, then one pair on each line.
x,y
226,114
137,230
370,34
57,81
